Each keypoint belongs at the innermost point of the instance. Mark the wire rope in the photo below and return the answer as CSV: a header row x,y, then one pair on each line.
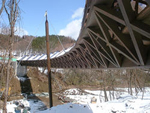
x,y
35,34
57,36
32,39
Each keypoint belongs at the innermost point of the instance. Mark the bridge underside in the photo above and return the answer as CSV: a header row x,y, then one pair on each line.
x,y
114,34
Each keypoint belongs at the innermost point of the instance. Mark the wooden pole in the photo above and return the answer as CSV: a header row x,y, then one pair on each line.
x,y
48,64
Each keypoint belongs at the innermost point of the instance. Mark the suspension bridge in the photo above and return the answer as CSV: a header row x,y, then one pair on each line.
x,y
114,34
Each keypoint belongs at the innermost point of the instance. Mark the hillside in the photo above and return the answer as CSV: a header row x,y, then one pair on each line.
x,y
39,43
20,43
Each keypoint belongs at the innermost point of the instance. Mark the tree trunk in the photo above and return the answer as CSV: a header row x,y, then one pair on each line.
x,y
8,75
130,83
12,17
1,75
104,87
105,94
144,84
112,85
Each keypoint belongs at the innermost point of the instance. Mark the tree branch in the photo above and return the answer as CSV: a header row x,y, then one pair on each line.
x,y
7,12
3,4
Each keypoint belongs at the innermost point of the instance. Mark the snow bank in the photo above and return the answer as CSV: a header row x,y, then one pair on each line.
x,y
83,103
21,78
69,108
74,91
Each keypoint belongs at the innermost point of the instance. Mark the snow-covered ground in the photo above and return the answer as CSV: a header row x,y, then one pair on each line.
x,y
87,101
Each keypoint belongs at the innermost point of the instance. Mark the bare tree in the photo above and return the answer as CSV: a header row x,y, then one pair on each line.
x,y
104,78
12,11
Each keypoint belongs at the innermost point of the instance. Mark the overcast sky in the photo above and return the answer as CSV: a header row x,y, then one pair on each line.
x,y
64,17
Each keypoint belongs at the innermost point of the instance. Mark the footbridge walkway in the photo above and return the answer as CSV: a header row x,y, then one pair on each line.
x,y
114,34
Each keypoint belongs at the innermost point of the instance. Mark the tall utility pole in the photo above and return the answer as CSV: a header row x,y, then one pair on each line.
x,y
48,63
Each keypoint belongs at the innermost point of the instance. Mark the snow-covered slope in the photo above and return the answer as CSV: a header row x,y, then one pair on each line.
x,y
83,103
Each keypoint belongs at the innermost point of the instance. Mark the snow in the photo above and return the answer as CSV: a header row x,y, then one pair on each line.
x,y
21,78
123,103
73,91
61,53
34,105
41,69
44,56
10,107
87,101
36,57
33,57
69,108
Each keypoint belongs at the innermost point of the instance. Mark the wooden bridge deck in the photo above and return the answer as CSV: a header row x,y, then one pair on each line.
x,y
114,34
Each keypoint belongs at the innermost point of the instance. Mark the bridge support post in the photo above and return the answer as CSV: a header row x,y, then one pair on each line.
x,y
21,70
48,64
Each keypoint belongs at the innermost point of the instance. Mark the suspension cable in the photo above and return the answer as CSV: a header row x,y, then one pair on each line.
x,y
57,36
35,34
32,39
